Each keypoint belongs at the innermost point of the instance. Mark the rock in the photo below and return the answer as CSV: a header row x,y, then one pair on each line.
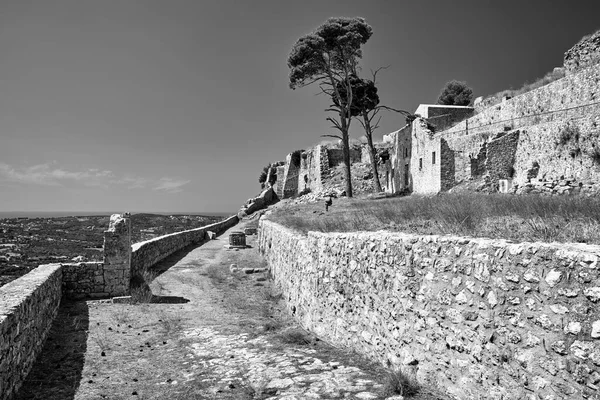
x,y
595,329
592,293
573,328
553,277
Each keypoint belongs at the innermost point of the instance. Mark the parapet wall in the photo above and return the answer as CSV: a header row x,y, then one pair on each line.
x,y
145,254
28,306
481,318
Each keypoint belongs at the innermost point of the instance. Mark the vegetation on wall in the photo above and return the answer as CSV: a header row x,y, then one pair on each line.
x,y
295,159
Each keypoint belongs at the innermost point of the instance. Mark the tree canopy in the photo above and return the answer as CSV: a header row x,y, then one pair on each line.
x,y
456,93
330,52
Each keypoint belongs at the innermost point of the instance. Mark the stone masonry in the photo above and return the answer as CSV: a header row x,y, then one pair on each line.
x,y
481,318
110,277
28,306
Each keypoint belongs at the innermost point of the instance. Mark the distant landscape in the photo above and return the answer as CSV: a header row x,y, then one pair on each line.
x,y
26,243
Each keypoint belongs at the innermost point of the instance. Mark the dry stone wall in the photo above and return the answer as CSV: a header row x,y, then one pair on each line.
x,y
584,54
28,306
483,319
145,254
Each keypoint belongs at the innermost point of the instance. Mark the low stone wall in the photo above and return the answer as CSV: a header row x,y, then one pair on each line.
x,y
28,306
84,280
145,254
480,318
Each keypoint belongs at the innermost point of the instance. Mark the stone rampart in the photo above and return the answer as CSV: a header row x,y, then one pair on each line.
x,y
28,306
480,318
145,254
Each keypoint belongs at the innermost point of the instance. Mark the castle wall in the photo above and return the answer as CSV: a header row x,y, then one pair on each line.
x,y
555,126
480,318
397,171
336,156
279,183
425,165
584,54
291,176
28,305
146,254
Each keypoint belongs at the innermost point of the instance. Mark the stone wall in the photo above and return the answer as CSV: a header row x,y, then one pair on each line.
x,y
584,54
28,306
556,127
336,156
291,175
145,254
84,280
482,319
441,117
425,165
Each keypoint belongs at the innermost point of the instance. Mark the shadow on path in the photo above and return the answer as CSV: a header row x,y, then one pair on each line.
x,y
56,374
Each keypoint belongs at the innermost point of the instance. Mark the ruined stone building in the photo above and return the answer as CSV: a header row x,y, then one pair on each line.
x,y
547,138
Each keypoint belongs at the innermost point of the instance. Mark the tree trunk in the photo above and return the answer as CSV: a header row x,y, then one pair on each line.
x,y
346,151
372,155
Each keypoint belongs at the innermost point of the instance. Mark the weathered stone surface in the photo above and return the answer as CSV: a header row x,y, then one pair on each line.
x,y
452,314
28,306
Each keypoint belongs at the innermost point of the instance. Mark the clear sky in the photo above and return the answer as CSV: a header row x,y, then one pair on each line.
x,y
140,105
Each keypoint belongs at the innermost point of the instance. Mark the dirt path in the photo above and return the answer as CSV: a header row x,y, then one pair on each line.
x,y
208,334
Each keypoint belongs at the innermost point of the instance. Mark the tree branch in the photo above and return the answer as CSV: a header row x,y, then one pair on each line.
x,y
333,136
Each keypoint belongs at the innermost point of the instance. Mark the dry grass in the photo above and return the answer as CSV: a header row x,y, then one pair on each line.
x,y
400,383
519,218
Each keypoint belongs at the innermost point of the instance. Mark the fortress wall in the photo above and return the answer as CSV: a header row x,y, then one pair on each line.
x,y
28,306
290,180
480,318
584,53
579,90
145,254
556,126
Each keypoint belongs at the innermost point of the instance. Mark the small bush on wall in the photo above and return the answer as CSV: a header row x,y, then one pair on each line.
x,y
567,135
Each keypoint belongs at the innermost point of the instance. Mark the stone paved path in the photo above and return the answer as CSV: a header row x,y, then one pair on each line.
x,y
228,351
212,332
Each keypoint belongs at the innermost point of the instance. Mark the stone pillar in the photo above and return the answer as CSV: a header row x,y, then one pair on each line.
x,y
117,255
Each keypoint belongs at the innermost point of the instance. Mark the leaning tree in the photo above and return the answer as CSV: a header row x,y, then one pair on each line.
x,y
329,57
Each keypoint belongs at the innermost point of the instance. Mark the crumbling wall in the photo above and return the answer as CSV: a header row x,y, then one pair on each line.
x,y
336,156
480,318
556,126
108,278
500,158
291,178
28,306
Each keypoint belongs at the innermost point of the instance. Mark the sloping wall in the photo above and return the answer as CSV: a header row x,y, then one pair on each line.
x,y
483,319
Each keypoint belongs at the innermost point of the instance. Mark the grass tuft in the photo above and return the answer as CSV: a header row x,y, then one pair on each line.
x,y
400,383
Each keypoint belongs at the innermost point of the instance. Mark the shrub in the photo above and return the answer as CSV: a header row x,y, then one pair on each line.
x,y
456,93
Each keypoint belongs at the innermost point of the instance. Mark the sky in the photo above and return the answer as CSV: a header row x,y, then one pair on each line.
x,y
177,105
